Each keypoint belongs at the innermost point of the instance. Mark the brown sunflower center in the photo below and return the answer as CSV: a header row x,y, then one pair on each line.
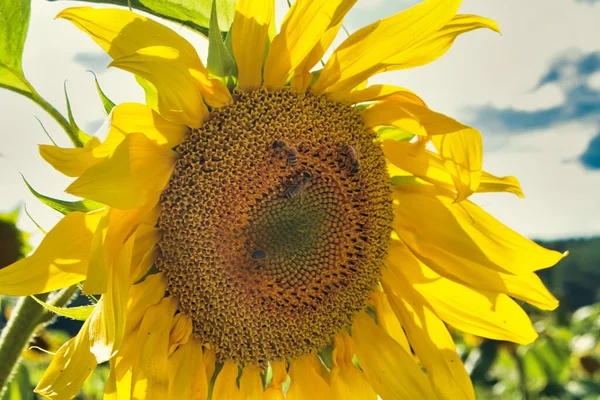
x,y
276,223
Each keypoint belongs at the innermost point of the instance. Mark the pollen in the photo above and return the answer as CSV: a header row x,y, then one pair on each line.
x,y
275,224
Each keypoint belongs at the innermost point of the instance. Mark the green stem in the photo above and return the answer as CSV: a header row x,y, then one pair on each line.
x,y
58,117
26,317
24,320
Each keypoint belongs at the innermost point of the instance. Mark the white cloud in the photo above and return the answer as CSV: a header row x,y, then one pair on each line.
x,y
594,81
561,196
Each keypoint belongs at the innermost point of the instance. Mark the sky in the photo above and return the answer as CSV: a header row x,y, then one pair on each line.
x,y
533,92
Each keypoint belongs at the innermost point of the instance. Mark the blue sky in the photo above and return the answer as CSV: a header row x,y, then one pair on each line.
x,y
534,92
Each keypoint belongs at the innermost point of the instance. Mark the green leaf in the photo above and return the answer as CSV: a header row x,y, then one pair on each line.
x,y
195,14
81,135
14,21
195,11
79,313
220,62
65,207
106,102
389,132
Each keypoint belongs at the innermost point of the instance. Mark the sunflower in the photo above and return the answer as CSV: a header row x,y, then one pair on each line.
x,y
269,232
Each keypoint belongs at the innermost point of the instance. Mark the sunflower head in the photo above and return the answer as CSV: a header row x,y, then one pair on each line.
x,y
301,226
292,245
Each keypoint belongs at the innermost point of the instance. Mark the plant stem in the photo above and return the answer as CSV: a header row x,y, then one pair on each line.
x,y
27,315
22,324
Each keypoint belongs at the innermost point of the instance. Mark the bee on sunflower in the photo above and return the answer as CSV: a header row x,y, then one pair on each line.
x,y
268,234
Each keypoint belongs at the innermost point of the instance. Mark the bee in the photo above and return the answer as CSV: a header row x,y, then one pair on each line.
x,y
295,189
258,255
290,152
352,155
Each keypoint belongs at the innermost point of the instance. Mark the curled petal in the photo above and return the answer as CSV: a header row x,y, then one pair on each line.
x,y
150,371
303,27
61,260
476,311
390,369
132,177
361,54
462,235
70,368
431,341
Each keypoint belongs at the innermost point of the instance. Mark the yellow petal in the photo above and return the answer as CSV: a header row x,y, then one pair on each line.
x,y
187,379
97,275
150,373
431,342
437,44
61,260
146,238
347,381
529,288
279,376
491,183
71,161
251,25
377,92
180,332
415,159
128,118
306,382
108,326
70,368
462,154
124,119
132,177
302,29
109,238
225,384
179,97
121,32
387,320
302,77
319,367
118,384
214,91
143,295
251,385
475,311
390,369
163,58
360,55
526,287
414,118
139,270
462,234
